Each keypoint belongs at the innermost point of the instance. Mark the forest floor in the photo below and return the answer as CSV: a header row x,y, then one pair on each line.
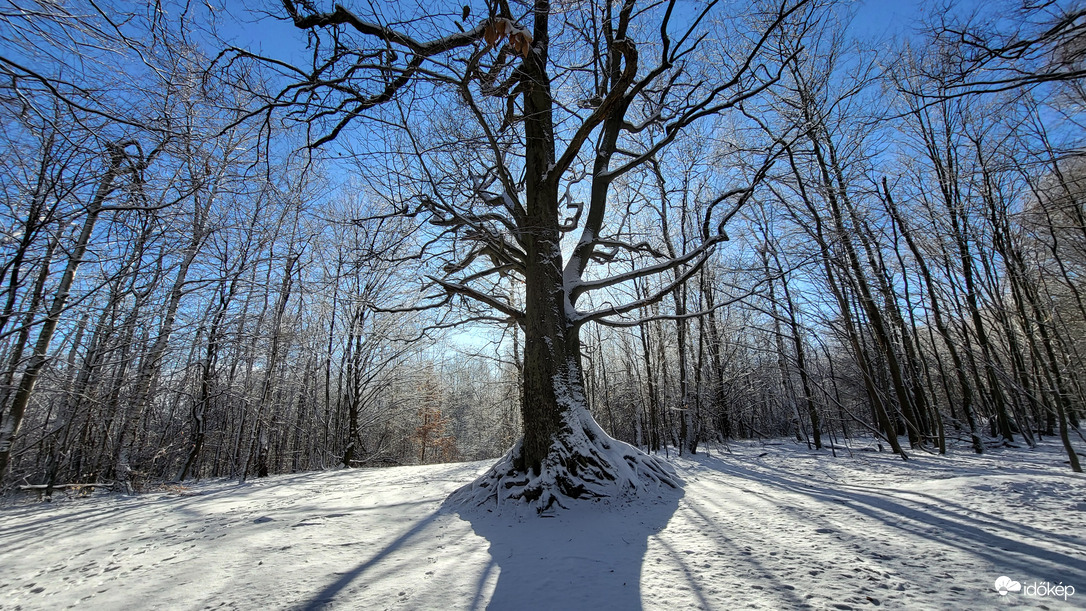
x,y
756,526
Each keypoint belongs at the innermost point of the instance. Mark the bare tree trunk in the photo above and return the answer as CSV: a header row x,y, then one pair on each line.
x,y
720,405
801,354
23,336
837,197
652,391
851,332
944,330
10,426
206,381
147,376
35,220
263,411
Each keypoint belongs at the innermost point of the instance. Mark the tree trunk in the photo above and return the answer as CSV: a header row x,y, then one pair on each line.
x,y
722,411
10,426
801,358
564,452
851,332
944,330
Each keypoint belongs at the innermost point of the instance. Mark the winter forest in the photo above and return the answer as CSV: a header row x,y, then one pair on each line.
x,y
577,239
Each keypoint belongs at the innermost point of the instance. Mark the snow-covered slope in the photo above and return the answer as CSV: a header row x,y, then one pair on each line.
x,y
757,527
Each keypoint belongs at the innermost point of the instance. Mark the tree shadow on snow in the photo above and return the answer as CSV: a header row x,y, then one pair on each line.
x,y
588,556
1014,548
326,597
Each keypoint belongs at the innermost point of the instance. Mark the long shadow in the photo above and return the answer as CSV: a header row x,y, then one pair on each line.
x,y
1015,553
740,556
587,557
326,596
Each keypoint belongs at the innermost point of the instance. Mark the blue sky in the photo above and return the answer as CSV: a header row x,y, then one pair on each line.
x,y
877,18
873,18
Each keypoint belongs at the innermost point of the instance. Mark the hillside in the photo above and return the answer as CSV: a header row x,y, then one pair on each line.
x,y
758,526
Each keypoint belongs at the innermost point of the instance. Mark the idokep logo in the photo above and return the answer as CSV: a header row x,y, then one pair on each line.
x,y
1005,584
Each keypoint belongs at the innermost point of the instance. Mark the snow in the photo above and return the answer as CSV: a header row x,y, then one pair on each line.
x,y
756,526
583,462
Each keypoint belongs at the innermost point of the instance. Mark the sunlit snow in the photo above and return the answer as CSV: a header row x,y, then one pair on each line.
x,y
756,526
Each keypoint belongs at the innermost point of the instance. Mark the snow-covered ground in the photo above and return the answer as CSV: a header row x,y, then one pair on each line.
x,y
762,526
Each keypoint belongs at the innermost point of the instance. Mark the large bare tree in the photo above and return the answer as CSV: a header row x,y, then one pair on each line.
x,y
518,122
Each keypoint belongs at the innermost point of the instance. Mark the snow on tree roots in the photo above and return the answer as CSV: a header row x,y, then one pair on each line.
x,y
583,463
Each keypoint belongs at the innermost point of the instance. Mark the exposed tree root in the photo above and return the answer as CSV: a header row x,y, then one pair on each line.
x,y
583,463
